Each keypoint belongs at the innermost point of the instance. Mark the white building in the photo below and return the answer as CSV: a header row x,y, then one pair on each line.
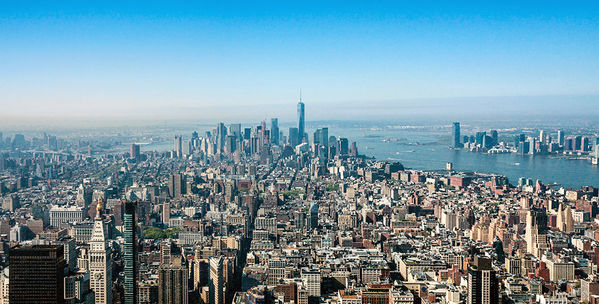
x,y
311,278
100,264
60,215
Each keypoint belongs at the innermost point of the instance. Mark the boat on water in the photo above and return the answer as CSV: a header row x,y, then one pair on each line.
x,y
516,164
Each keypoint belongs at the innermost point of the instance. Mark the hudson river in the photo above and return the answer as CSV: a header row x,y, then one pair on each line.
x,y
426,148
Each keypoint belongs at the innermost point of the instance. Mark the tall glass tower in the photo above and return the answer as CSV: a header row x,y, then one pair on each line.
x,y
274,131
456,135
301,125
130,253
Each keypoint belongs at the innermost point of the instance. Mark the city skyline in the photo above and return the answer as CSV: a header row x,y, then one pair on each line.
x,y
299,152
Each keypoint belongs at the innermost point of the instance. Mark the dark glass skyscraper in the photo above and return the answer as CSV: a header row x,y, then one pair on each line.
x,y
301,124
130,253
456,135
274,131
37,274
293,137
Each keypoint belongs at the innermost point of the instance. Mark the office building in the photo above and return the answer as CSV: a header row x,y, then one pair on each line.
x,y
176,185
134,151
560,137
293,136
274,131
301,120
173,285
178,146
130,253
36,274
312,280
456,135
343,146
483,287
536,232
235,130
217,281
64,215
100,262
11,203
221,133
84,197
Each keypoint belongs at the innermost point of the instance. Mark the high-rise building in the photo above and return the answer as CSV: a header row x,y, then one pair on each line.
x,y
560,137
235,130
135,151
324,137
178,145
536,232
11,203
456,135
221,133
274,131
483,286
314,215
301,120
230,144
84,197
36,274
130,253
565,222
173,284
100,262
216,284
316,137
176,185
343,146
293,136
542,136
494,137
353,149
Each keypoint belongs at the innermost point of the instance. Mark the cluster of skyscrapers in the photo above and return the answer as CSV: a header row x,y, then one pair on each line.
x,y
543,143
235,141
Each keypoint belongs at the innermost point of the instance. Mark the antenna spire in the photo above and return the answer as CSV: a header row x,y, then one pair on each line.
x,y
300,95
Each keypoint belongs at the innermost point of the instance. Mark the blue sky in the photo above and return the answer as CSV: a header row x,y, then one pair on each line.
x,y
206,60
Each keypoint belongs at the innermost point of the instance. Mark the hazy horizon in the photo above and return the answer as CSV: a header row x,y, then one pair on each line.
x,y
445,109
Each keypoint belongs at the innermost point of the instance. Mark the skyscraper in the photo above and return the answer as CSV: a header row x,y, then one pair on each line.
x,y
301,123
560,137
343,146
130,253
221,133
235,130
100,263
293,136
176,185
135,151
536,232
483,286
274,131
313,215
216,286
36,274
173,284
456,135
178,145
